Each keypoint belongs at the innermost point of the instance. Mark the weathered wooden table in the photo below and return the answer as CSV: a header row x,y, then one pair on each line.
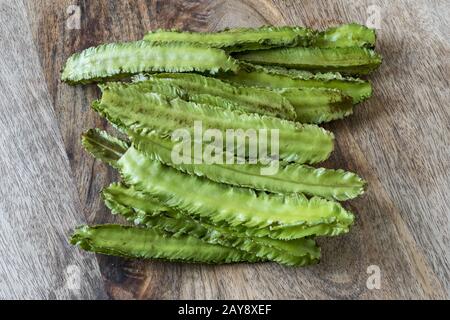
x,y
398,141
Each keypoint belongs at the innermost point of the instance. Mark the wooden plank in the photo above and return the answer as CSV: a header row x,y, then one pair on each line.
x,y
38,201
397,141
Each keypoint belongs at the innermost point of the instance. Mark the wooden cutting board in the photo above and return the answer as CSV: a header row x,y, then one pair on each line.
x,y
398,141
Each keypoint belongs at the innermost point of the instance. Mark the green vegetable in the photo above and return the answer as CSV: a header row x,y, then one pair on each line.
x,y
145,243
347,60
312,105
261,214
132,204
144,113
118,60
146,86
104,146
140,208
208,90
290,178
189,202
307,105
346,35
317,105
242,39
238,39
279,78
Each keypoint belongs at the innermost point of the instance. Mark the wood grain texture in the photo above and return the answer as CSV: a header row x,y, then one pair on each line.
x,y
38,201
398,141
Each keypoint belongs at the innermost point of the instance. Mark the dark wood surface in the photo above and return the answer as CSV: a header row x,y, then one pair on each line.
x,y
398,141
